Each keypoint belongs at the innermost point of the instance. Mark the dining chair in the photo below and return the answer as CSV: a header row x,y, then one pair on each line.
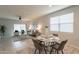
x,y
38,46
58,47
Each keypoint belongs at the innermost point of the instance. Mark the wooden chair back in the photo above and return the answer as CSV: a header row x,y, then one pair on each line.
x,y
62,44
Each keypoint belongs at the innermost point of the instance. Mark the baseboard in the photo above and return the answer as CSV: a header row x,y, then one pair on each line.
x,y
74,47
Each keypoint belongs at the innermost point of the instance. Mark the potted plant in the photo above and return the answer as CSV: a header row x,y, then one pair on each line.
x,y
2,29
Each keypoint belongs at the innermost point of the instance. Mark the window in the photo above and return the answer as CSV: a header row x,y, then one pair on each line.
x,y
20,27
54,24
63,23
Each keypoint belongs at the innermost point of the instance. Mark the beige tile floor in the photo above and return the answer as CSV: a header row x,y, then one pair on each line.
x,y
25,47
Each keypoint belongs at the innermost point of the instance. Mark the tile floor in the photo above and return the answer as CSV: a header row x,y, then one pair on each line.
x,y
25,47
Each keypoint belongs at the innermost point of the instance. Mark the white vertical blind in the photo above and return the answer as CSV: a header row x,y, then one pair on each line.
x,y
68,18
63,23
66,28
54,20
54,27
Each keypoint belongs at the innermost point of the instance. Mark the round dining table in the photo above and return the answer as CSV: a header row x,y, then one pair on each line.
x,y
48,41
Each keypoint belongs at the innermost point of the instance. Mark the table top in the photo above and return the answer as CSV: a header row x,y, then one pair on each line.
x,y
48,40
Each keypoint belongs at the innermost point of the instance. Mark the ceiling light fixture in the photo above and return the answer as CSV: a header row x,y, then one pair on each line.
x,y
20,18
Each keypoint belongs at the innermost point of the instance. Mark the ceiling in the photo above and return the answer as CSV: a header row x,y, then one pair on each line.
x,y
27,12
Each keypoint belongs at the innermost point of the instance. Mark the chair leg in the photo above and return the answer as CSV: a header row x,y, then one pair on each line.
x,y
51,50
39,52
62,52
57,52
35,51
45,51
